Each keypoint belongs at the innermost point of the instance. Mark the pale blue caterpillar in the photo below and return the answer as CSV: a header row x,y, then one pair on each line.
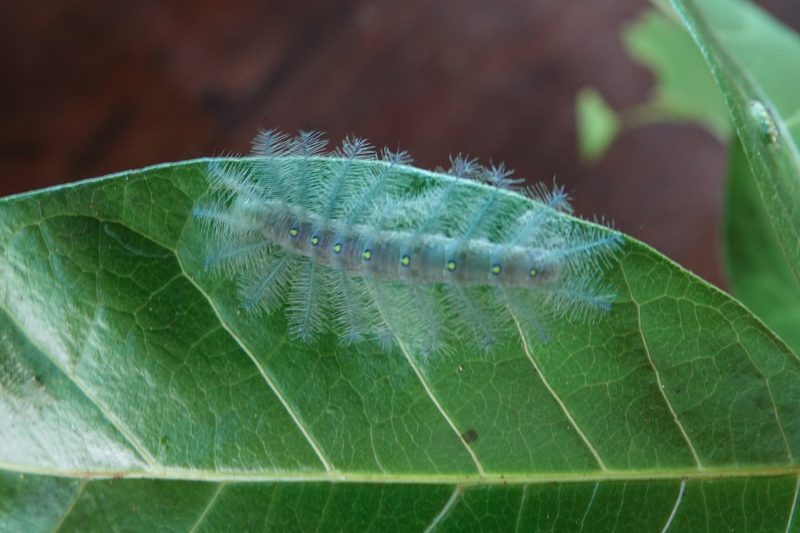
x,y
357,247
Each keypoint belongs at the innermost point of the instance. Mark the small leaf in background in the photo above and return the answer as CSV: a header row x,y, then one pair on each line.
x,y
684,88
598,124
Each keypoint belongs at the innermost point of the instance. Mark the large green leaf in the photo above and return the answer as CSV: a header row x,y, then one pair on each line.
x,y
754,59
756,265
754,52
136,396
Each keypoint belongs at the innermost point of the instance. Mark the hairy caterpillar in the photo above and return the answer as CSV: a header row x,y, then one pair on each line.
x,y
370,248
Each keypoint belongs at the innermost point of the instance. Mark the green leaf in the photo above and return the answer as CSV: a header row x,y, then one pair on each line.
x,y
598,124
685,89
136,396
757,268
752,57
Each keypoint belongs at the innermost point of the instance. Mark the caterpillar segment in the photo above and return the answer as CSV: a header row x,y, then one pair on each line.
x,y
365,246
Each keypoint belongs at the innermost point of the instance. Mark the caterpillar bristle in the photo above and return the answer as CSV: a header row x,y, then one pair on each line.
x,y
352,309
270,143
263,285
464,168
346,242
475,325
500,177
430,314
307,144
307,301
556,198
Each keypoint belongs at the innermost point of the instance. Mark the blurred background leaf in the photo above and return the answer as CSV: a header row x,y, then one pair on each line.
x,y
684,88
598,124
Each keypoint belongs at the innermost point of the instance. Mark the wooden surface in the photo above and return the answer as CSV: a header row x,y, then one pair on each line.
x,y
93,87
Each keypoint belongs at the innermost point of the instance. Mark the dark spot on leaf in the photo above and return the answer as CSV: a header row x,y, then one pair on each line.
x,y
470,436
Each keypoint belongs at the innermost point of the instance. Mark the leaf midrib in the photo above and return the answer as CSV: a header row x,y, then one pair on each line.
x,y
466,480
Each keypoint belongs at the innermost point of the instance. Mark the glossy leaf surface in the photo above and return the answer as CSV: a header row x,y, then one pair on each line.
x,y
136,395
757,268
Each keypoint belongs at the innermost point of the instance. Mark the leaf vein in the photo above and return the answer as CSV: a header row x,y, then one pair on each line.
x,y
794,505
208,507
554,395
658,379
71,505
446,509
521,506
295,417
675,508
771,397
428,390
143,452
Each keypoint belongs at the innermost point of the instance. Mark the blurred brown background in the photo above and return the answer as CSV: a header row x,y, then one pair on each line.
x,y
93,87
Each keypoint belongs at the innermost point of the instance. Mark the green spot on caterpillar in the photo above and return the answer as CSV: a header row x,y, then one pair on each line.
x,y
376,209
